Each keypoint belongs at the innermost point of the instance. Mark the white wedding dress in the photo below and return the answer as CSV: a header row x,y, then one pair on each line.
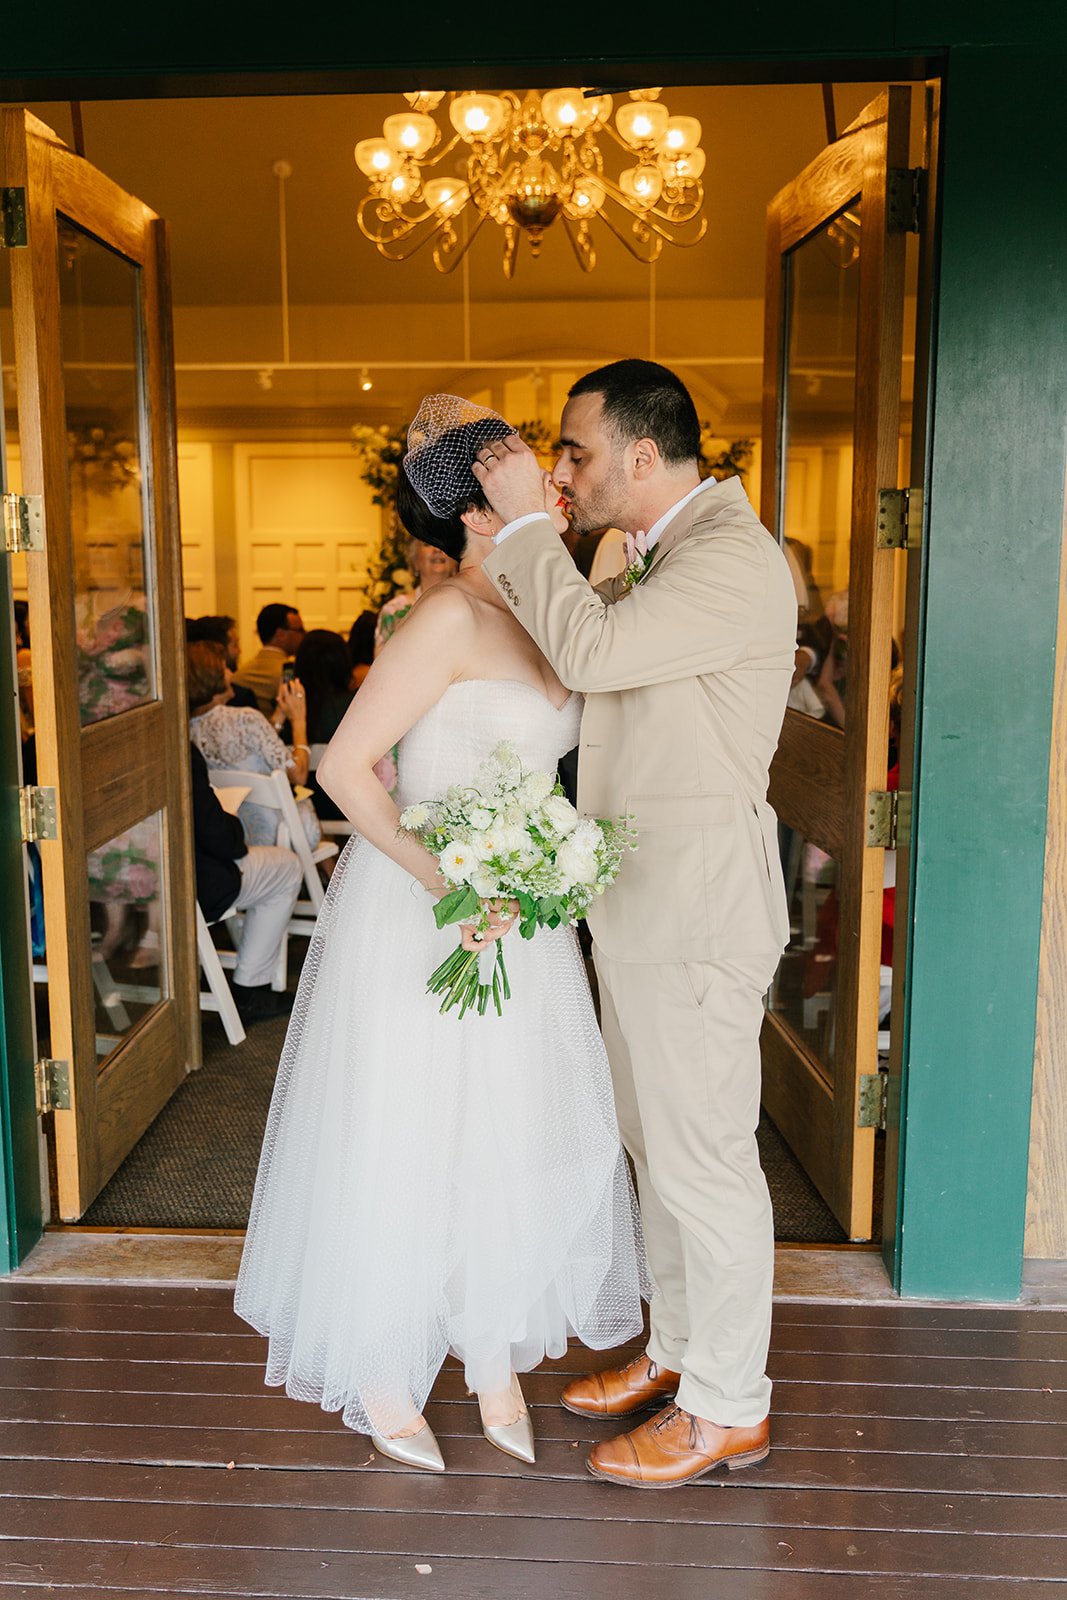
x,y
428,1184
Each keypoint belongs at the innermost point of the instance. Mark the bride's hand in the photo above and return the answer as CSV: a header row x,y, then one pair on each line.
x,y
502,914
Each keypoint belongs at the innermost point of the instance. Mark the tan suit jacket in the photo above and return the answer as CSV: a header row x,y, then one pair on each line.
x,y
262,673
686,678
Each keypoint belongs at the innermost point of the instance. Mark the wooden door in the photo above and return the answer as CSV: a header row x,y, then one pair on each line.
x,y
94,371
831,429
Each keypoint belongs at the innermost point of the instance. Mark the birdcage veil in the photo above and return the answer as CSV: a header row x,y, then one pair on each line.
x,y
443,440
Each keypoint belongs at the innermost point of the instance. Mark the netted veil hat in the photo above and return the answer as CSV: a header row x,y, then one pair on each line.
x,y
443,440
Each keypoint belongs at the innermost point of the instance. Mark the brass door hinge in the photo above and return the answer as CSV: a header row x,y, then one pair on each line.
x,y
900,519
52,1080
874,1098
23,523
13,234
904,199
37,813
889,818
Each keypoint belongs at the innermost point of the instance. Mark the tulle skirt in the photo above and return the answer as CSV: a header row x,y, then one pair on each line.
x,y
427,1184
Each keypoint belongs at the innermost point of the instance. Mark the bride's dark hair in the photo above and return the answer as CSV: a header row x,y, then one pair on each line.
x,y
444,533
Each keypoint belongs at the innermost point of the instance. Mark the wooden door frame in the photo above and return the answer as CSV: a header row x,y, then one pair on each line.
x,y
815,1116
94,1135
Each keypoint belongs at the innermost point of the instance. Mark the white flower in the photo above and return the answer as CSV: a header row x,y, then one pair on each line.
x,y
416,816
510,840
479,818
485,883
560,814
535,787
576,865
457,862
587,836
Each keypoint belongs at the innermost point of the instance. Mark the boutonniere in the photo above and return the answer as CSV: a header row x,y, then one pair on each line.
x,y
638,558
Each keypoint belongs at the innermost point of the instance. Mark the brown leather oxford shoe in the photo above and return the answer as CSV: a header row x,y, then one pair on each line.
x,y
620,1390
674,1448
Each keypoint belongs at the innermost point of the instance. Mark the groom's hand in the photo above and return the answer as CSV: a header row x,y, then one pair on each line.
x,y
513,482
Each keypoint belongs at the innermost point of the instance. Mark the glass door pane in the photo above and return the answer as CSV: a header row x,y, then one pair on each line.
x,y
111,536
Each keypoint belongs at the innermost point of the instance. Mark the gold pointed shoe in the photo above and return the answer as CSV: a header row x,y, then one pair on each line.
x,y
418,1450
514,1438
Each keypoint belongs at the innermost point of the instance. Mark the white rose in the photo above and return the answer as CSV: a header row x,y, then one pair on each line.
x,y
576,865
414,817
457,862
560,814
480,818
534,788
511,840
484,883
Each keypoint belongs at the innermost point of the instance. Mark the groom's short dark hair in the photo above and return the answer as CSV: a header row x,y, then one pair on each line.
x,y
643,400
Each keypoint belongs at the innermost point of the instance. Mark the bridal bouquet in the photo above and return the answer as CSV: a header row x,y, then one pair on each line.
x,y
511,835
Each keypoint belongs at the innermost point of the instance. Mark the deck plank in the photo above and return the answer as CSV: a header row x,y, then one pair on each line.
x,y
919,1452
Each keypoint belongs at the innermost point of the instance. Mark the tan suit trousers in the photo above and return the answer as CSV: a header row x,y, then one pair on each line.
x,y
683,1041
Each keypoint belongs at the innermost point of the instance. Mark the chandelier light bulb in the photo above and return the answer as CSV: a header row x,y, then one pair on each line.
x,y
410,133
477,116
643,184
682,135
366,382
642,122
565,111
402,187
374,158
447,195
587,198
682,169
424,99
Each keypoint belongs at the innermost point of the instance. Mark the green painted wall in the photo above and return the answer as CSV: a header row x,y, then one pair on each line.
x,y
995,486
992,563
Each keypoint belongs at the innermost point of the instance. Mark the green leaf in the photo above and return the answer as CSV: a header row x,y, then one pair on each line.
x,y
459,906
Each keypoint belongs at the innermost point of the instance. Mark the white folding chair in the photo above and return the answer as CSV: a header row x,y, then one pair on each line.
x,y
341,828
219,996
272,790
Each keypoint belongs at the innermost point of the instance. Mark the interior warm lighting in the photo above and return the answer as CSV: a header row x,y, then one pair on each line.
x,y
409,133
477,116
682,135
527,162
642,122
366,382
374,158
643,184
682,169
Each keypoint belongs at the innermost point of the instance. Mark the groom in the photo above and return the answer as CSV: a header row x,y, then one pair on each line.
x,y
686,662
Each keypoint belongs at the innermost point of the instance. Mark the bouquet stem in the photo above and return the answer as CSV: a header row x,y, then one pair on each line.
x,y
459,983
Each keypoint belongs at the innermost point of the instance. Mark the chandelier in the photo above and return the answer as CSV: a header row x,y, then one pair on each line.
x,y
526,163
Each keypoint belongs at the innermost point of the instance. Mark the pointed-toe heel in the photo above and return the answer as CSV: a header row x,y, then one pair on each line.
x,y
418,1450
514,1438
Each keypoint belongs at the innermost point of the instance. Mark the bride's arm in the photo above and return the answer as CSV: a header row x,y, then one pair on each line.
x,y
428,653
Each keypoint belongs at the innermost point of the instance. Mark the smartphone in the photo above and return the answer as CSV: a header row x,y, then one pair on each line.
x,y
288,672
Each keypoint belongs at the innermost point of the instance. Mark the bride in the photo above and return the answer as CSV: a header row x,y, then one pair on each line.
x,y
428,1185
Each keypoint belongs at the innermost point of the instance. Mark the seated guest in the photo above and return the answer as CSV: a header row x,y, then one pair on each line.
x,y
280,630
361,645
263,881
324,670
234,736
223,630
431,566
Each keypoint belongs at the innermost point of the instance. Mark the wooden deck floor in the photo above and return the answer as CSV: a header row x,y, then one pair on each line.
x,y
918,1452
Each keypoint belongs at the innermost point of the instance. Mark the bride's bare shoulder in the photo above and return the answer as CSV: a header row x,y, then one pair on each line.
x,y
446,605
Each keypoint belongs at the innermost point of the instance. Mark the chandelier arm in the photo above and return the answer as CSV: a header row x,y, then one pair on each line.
x,y
584,253
389,247
645,260
445,150
453,261
647,216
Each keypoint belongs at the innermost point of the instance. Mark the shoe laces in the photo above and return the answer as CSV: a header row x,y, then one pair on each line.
x,y
671,1417
653,1370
